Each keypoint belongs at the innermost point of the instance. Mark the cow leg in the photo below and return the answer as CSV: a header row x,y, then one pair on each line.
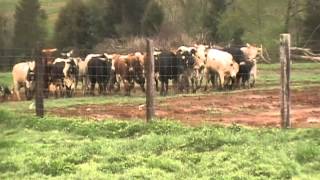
x,y
92,85
118,81
100,88
126,86
194,90
162,88
221,76
16,90
28,93
166,87
156,79
208,75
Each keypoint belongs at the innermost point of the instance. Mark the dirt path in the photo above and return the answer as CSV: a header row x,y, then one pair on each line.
x,y
253,108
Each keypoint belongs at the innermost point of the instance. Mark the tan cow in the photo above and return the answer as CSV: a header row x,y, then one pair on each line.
x,y
24,76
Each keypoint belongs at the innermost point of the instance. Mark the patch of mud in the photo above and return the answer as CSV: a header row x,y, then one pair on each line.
x,y
252,108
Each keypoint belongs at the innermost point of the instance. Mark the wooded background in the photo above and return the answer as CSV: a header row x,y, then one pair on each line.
x,y
96,24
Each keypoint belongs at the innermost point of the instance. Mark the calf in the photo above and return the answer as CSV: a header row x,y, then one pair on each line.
x,y
4,92
24,76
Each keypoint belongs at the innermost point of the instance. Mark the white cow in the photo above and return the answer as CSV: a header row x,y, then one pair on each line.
x,y
217,62
24,76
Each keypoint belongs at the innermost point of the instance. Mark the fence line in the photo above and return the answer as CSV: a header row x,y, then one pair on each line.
x,y
151,105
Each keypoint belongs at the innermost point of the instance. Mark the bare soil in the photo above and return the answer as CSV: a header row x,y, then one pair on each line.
x,y
250,108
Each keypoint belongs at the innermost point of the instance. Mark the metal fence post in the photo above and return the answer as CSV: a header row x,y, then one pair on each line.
x,y
285,80
39,82
149,69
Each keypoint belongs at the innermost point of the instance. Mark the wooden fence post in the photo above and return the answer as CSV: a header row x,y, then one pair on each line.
x,y
39,82
149,69
285,80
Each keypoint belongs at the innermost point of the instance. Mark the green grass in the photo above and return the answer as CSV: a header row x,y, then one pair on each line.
x,y
73,148
62,148
6,79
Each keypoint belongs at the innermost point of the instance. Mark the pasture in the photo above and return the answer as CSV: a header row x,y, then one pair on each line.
x,y
104,137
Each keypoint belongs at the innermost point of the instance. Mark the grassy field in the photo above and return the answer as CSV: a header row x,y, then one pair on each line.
x,y
62,148
75,148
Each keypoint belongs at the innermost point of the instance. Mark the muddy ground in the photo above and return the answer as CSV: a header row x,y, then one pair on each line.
x,y
251,108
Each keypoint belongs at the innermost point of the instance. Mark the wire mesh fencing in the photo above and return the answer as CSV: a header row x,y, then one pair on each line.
x,y
115,86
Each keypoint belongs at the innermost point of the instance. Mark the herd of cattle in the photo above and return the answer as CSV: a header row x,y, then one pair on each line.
x,y
190,68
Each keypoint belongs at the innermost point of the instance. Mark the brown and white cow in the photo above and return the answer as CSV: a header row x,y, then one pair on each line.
x,y
128,69
24,76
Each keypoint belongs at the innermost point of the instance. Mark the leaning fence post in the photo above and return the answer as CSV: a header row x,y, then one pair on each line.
x,y
149,69
39,82
285,80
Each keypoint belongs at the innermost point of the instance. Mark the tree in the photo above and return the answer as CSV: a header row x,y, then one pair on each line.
x,y
212,19
72,28
28,28
152,19
4,41
312,24
133,17
4,32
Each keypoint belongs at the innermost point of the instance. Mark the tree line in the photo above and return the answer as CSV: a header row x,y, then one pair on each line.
x,y
84,24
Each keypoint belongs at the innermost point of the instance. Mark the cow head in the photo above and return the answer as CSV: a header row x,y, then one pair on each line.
x,y
30,74
251,52
234,69
200,55
71,68
187,58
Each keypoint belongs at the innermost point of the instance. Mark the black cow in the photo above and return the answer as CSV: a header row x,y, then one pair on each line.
x,y
100,71
170,66
245,66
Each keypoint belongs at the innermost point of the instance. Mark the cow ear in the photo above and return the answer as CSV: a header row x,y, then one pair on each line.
x,y
248,45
